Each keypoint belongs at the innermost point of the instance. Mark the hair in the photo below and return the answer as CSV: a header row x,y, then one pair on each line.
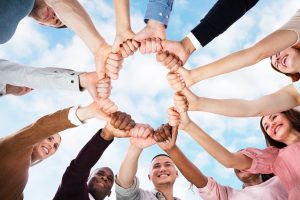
x,y
162,154
64,26
293,116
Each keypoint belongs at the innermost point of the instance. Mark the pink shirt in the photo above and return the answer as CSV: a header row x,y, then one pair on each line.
x,y
285,163
269,190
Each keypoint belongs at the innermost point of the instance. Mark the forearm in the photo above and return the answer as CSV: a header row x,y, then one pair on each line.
x,y
38,78
122,13
73,15
282,100
129,167
215,149
187,168
232,62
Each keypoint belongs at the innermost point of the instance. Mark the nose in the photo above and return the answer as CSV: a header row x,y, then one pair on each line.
x,y
104,178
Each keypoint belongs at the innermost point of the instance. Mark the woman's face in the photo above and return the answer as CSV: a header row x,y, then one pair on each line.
x,y
245,176
287,61
46,147
277,126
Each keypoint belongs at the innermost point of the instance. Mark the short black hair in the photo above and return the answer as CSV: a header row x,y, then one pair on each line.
x,y
162,154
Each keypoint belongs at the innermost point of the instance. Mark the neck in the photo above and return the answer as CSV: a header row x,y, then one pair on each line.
x,y
293,137
97,196
253,181
166,190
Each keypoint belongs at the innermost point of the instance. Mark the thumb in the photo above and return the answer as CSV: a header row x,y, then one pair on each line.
x,y
187,93
139,36
116,46
164,44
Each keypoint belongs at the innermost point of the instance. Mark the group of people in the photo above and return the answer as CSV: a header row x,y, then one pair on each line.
x,y
270,173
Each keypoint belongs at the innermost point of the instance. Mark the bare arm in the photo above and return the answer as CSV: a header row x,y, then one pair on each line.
x,y
220,153
129,167
268,46
284,99
73,15
122,13
187,168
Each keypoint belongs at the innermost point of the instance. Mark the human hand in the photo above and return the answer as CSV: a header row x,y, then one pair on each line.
x,y
104,108
17,90
180,120
107,63
180,79
186,100
103,88
169,60
183,49
163,131
125,44
142,136
154,31
118,126
88,81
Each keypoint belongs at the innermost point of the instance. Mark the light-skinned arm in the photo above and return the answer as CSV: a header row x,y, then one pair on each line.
x,y
284,99
129,165
220,153
268,46
73,15
124,42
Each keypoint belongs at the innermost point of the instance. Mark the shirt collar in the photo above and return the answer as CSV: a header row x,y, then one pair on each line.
x,y
91,197
160,195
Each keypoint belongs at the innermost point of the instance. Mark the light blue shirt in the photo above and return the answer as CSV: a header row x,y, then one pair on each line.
x,y
12,12
159,10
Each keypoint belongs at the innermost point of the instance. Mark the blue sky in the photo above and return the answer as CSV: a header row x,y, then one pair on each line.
x,y
142,89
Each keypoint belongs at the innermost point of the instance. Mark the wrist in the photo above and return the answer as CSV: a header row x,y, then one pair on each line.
x,y
171,150
83,113
106,134
100,48
155,24
82,81
188,45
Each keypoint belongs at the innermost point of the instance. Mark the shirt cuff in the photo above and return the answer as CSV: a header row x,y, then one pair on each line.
x,y
73,117
194,41
2,89
158,11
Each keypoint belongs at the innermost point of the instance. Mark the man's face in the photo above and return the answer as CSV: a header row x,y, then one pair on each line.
x,y
101,182
162,171
45,15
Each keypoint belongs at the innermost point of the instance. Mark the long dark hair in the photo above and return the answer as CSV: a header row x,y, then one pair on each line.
x,y
293,116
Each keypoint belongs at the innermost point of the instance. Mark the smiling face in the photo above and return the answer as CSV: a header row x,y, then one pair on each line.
x,y
287,61
45,15
46,147
162,171
101,182
277,126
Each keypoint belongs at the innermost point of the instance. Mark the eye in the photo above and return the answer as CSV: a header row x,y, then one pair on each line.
x,y
56,146
50,138
274,117
266,127
155,166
